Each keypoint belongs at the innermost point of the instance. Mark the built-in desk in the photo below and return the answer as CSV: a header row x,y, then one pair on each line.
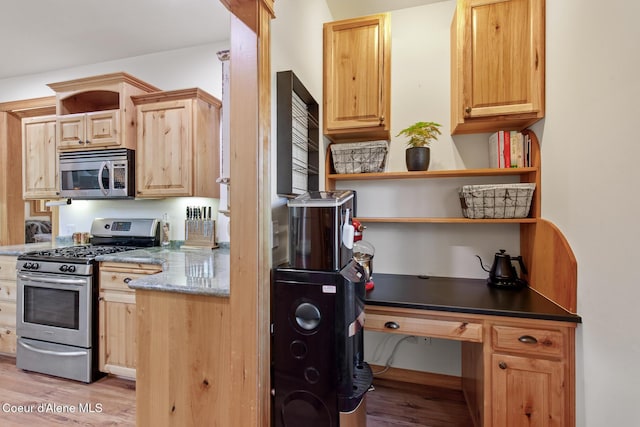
x,y
518,348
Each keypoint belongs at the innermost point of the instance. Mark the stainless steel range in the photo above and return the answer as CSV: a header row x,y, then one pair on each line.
x,y
57,299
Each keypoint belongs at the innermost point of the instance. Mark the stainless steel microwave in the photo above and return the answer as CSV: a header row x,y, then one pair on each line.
x,y
97,174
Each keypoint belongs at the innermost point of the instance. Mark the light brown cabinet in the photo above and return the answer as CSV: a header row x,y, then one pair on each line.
x,y
178,144
89,130
497,65
184,355
39,158
531,375
97,112
117,317
8,304
515,371
357,78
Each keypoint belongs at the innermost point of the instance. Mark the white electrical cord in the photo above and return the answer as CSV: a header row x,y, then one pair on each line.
x,y
387,365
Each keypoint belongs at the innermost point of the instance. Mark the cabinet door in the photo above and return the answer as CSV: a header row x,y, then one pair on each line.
x,y
39,158
117,332
71,131
164,153
357,77
527,392
497,64
103,129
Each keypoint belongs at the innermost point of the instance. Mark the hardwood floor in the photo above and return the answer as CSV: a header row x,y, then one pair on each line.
x,y
51,401
400,404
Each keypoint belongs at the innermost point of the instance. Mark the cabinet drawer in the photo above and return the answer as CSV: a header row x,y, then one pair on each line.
x,y
116,280
527,340
447,329
7,268
8,290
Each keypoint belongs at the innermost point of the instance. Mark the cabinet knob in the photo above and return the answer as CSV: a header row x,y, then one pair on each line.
x,y
381,119
79,141
88,141
528,339
391,325
502,365
467,110
127,280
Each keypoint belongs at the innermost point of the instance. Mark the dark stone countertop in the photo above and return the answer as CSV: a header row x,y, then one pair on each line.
x,y
472,296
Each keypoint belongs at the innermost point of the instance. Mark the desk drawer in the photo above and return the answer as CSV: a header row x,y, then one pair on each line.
x,y
528,340
447,329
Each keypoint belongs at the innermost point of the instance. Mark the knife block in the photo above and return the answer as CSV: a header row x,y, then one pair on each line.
x,y
200,233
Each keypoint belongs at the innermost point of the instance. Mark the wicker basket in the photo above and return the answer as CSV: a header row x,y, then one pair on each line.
x,y
496,200
359,157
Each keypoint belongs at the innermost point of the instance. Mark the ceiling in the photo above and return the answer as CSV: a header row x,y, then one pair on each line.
x,y
45,35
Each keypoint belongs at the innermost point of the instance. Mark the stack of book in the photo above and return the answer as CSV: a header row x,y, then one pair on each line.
x,y
509,149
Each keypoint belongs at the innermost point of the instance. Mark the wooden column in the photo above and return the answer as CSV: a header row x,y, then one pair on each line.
x,y
11,202
250,199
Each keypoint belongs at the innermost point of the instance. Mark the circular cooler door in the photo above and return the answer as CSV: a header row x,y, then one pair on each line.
x,y
301,408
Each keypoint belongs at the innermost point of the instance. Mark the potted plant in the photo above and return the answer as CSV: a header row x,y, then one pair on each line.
x,y
420,135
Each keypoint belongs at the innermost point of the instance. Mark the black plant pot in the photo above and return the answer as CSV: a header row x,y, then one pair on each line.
x,y
417,158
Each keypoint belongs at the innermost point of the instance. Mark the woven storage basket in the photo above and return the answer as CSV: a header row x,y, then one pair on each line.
x,y
359,157
496,200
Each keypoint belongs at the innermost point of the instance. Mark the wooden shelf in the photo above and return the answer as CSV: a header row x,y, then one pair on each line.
x,y
461,173
446,220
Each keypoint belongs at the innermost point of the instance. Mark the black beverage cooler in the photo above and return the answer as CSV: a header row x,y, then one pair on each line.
x,y
319,378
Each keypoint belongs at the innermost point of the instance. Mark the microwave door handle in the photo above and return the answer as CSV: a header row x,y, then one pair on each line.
x,y
103,165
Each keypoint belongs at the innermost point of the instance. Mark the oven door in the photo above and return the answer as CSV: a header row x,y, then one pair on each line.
x,y
54,308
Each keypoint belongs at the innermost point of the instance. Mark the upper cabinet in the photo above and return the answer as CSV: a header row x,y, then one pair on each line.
x,y
497,65
39,158
357,68
178,144
97,112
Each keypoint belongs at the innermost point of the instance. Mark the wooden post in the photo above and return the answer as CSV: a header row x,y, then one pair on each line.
x,y
250,123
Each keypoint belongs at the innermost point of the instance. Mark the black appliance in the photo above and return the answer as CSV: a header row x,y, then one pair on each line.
x,y
319,377
316,221
57,299
503,273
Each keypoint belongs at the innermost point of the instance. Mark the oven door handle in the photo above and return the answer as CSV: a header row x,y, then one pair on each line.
x,y
52,352
52,280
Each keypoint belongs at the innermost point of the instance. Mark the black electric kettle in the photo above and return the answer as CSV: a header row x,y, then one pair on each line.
x,y
503,273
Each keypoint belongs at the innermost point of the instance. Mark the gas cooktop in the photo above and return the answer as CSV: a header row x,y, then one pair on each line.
x,y
78,254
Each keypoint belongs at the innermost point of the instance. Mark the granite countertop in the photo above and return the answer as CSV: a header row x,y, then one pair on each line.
x,y
15,250
189,271
463,296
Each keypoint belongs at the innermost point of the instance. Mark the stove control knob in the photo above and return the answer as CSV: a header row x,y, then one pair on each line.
x,y
31,265
64,268
72,268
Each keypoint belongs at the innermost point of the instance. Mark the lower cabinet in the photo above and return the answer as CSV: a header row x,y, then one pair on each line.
x,y
8,305
117,317
531,375
527,391
184,355
515,372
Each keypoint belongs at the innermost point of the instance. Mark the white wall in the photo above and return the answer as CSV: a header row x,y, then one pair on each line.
x,y
590,152
196,66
